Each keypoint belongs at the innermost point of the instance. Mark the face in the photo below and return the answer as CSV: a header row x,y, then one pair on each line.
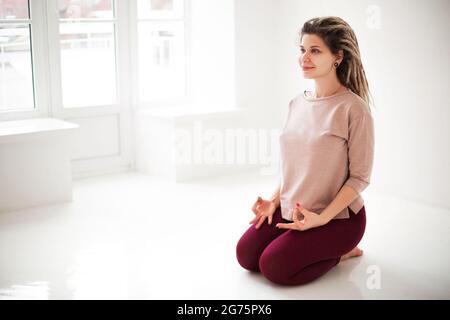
x,y
316,60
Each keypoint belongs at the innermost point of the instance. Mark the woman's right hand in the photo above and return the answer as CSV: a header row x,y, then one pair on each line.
x,y
263,209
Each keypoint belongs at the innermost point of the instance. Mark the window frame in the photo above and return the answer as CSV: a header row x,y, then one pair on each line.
x,y
162,103
46,65
37,11
58,109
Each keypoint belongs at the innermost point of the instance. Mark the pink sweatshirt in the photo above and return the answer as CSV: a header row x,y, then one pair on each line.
x,y
325,143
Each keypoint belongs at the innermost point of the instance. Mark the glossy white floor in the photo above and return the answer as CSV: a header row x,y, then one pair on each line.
x,y
131,236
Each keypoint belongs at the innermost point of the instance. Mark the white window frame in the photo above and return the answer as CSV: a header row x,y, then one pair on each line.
x,y
188,98
55,66
47,69
39,62
122,107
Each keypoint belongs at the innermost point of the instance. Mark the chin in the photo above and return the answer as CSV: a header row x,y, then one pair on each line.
x,y
308,76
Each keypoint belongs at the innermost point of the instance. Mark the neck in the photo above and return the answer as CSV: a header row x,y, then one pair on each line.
x,y
328,86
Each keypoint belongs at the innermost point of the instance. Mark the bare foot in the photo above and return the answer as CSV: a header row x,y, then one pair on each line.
x,y
356,252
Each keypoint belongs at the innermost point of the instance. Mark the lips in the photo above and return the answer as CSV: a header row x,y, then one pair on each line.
x,y
307,68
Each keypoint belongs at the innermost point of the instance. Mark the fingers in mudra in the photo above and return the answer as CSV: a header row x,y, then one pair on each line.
x,y
263,209
256,205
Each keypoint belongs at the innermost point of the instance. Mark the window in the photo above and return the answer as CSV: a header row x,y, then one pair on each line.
x,y
16,61
61,56
161,49
87,52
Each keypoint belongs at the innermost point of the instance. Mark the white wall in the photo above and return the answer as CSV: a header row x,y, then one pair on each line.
x,y
256,57
407,64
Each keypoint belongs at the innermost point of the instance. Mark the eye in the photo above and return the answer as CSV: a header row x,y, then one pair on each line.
x,y
313,50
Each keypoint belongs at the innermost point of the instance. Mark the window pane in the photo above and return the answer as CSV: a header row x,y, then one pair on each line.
x,y
160,9
16,84
85,9
14,9
88,65
161,60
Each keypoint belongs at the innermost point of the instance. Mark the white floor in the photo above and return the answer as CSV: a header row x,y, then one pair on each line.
x,y
131,236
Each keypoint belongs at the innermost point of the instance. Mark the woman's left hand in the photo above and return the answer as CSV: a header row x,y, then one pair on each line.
x,y
310,220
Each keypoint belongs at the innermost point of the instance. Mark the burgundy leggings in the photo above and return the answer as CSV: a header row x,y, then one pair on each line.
x,y
292,257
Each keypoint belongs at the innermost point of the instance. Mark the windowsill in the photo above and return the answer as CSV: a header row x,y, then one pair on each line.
x,y
20,129
185,111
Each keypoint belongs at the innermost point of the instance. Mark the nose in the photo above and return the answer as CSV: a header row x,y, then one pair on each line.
x,y
304,57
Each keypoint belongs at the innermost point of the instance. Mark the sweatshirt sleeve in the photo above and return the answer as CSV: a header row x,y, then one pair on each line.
x,y
360,151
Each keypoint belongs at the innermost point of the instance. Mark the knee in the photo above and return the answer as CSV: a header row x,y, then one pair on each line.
x,y
246,255
274,268
277,268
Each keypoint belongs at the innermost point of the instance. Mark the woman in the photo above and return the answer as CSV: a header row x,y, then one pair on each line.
x,y
316,217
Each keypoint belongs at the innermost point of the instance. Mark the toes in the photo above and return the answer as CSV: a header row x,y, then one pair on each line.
x,y
357,252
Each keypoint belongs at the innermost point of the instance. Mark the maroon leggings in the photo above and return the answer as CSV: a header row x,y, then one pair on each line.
x,y
292,257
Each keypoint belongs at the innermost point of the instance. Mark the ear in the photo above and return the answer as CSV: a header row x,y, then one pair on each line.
x,y
340,56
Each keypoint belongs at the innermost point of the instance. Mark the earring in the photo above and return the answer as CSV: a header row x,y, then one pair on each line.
x,y
336,64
